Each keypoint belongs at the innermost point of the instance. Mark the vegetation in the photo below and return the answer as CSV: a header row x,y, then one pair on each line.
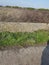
x,y
42,9
23,38
20,14
30,8
13,6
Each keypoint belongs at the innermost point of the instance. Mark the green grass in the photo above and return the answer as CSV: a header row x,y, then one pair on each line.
x,y
23,38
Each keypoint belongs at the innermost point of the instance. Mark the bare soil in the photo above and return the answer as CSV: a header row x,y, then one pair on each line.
x,y
22,56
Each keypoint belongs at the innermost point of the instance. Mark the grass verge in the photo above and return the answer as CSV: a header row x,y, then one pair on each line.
x,y
23,38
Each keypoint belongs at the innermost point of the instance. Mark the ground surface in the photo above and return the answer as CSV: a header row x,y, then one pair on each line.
x,y
22,27
23,56
23,15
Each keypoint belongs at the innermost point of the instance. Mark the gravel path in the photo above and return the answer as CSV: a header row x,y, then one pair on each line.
x,y
23,56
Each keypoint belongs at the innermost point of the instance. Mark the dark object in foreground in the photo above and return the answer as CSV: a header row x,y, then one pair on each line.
x,y
45,55
48,42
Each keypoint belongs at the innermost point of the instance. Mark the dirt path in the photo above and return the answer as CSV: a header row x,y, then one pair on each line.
x,y
24,56
22,27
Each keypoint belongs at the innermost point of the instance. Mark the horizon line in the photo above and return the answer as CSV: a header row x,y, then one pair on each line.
x,y
24,6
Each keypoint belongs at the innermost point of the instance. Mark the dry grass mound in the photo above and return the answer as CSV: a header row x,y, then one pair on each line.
x,y
14,14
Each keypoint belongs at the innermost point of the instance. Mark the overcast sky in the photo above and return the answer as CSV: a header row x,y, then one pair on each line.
x,y
26,3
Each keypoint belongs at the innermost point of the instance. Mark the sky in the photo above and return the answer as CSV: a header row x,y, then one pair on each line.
x,y
26,3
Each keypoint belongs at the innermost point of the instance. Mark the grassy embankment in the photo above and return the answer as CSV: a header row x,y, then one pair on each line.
x,y
23,39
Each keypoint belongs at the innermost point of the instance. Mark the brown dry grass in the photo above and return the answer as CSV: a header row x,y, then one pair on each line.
x,y
23,15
